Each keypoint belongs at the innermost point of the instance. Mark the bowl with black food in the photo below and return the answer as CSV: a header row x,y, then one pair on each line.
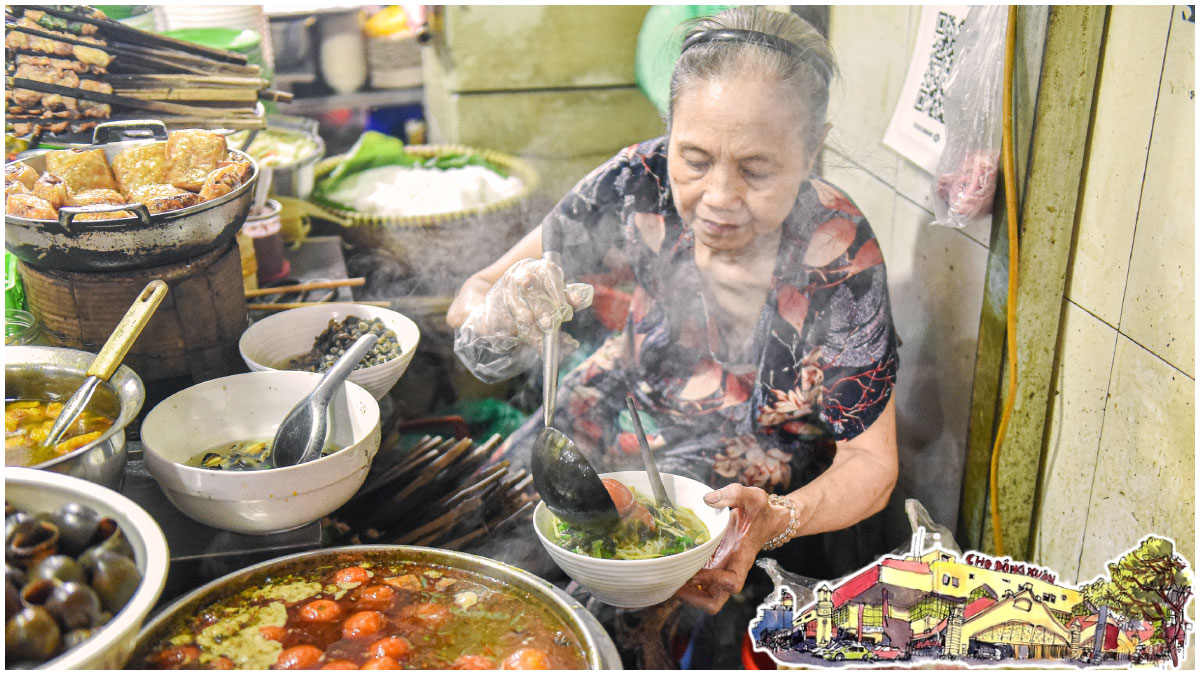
x,y
312,338
84,565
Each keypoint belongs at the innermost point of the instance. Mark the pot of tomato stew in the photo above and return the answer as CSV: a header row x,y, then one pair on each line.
x,y
376,607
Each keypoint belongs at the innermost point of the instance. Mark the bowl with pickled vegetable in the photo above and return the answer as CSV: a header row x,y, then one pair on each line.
x,y
37,381
312,338
84,566
650,553
208,447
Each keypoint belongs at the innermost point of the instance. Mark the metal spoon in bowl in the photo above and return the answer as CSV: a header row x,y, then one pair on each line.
x,y
562,476
301,436
662,501
110,357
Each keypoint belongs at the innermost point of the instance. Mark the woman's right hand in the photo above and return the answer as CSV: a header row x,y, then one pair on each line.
x,y
502,334
529,299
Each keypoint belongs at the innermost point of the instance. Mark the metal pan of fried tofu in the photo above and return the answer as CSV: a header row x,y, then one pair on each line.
x,y
191,155
140,165
81,170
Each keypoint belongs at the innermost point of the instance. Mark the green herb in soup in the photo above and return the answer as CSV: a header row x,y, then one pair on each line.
x,y
373,616
250,455
645,531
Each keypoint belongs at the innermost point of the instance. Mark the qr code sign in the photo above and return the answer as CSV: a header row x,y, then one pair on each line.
x,y
941,57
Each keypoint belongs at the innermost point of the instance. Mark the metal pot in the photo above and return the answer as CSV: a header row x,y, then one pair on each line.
x,y
294,179
54,373
599,649
144,240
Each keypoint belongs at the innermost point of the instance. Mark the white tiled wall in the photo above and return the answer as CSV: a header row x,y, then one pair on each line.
x,y
935,274
1121,440
1121,448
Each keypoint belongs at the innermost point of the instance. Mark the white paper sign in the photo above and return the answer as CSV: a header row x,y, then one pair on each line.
x,y
917,129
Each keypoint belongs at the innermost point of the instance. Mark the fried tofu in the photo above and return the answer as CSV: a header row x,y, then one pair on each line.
x,y
224,179
140,165
29,206
81,169
51,188
101,196
20,171
162,197
191,155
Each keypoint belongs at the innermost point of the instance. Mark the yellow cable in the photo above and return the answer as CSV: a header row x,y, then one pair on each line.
x,y
1010,201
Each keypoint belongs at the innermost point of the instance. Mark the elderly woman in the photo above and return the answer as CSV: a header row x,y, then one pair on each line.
x,y
758,340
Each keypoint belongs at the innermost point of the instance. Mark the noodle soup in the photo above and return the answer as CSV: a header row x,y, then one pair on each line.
x,y
645,531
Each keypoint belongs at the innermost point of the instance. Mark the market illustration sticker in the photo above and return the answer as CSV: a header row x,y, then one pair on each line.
x,y
979,610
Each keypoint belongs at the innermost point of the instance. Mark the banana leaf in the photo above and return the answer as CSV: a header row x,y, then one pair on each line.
x,y
373,150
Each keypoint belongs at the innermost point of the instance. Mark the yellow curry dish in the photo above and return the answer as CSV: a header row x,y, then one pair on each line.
x,y
27,423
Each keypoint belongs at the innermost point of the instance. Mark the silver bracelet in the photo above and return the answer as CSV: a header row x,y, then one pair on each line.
x,y
793,525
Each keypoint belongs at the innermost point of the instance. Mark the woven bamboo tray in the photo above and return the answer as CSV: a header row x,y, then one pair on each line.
x,y
442,248
516,167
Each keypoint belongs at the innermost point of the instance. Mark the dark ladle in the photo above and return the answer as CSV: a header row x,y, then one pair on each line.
x,y
569,485
561,474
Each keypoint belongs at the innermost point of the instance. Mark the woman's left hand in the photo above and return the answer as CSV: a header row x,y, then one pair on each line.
x,y
752,523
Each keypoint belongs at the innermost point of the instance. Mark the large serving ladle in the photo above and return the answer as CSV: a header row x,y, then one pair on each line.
x,y
561,474
109,358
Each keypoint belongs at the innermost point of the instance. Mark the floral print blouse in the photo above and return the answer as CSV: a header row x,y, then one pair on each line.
x,y
818,367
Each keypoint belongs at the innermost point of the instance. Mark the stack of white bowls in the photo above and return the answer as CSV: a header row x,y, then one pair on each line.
x,y
244,17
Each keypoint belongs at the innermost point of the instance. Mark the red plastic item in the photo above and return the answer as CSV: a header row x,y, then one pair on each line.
x,y
752,660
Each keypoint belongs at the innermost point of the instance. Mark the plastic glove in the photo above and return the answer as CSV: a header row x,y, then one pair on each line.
x,y
752,523
503,335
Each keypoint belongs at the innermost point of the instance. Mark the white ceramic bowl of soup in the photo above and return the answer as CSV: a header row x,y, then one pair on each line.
x,y
271,343
639,583
250,407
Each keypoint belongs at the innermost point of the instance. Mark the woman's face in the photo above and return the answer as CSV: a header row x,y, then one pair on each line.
x,y
736,160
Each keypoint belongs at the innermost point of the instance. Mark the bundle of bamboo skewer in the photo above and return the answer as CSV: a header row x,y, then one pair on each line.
x,y
435,495
69,67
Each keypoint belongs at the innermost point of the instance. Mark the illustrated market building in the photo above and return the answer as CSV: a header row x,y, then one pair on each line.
x,y
937,605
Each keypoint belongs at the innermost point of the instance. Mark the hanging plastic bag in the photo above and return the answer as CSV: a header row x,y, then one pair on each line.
x,y
964,183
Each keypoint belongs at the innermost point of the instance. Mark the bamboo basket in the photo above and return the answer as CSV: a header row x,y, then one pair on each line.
x,y
442,248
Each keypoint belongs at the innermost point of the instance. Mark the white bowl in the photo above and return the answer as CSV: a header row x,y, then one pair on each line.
x,y
109,647
270,343
247,407
639,583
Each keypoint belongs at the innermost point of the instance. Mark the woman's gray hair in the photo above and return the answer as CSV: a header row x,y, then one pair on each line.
x,y
804,70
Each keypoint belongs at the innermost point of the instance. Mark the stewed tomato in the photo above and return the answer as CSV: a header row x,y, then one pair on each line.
x,y
362,624
300,657
395,647
376,596
352,575
321,610
381,663
527,659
